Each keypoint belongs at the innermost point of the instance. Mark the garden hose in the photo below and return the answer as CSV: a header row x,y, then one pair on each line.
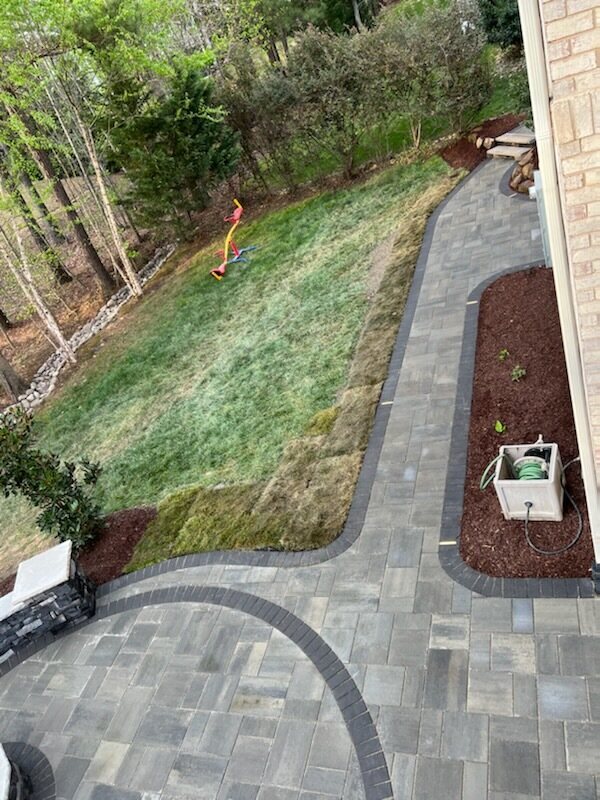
x,y
577,536
526,471
532,470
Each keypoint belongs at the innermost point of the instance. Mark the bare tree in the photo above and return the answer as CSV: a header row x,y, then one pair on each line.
x,y
44,163
22,274
10,380
101,200
131,275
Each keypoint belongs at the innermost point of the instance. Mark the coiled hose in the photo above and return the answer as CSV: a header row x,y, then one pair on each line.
x,y
532,471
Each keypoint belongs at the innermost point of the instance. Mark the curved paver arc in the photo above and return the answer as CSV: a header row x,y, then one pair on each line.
x,y
34,764
353,708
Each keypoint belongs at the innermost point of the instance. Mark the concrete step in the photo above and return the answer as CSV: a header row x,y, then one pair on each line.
x,y
518,139
507,151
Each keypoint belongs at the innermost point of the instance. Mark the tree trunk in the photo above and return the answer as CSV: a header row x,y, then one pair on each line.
x,y
23,276
105,279
11,381
357,18
102,201
130,273
56,265
5,323
272,51
415,131
45,165
53,231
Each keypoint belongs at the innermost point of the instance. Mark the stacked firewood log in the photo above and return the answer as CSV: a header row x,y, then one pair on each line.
x,y
522,177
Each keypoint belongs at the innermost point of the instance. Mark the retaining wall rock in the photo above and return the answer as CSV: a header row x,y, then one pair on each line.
x,y
44,380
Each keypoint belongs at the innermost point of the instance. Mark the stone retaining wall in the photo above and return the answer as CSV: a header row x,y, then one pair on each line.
x,y
44,380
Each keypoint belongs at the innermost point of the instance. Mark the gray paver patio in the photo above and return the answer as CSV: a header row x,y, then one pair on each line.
x,y
473,697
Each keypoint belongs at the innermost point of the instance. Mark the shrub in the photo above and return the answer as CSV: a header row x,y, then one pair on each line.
x,y
176,151
66,509
433,65
501,22
330,79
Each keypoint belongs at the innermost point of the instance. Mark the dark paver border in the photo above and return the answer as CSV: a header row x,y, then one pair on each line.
x,y
449,554
33,762
357,717
362,492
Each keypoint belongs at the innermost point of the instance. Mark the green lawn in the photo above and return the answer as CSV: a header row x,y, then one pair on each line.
x,y
207,382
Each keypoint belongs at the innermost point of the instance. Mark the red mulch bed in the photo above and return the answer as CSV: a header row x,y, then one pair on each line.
x,y
106,557
463,154
518,312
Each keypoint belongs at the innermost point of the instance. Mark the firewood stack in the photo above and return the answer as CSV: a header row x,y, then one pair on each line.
x,y
522,177
486,142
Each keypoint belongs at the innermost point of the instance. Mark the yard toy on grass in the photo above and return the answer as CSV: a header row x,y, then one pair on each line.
x,y
238,253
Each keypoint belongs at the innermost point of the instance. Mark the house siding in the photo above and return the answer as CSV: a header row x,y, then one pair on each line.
x,y
572,44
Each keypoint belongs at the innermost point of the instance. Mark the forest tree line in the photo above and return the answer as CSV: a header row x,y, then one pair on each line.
x,y
123,116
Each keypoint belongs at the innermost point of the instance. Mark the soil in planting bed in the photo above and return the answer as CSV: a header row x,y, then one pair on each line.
x,y
106,557
463,154
518,313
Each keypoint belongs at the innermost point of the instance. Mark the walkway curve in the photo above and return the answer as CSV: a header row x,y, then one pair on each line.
x,y
356,715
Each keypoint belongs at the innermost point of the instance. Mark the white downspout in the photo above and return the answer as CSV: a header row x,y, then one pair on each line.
x,y
535,57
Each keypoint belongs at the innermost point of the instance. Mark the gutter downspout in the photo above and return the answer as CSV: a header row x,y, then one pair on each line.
x,y
535,57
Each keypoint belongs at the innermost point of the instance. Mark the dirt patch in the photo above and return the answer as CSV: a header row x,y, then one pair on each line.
x,y
105,558
462,154
380,258
518,313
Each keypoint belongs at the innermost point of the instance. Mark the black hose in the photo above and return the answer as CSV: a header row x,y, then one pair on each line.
x,y
577,536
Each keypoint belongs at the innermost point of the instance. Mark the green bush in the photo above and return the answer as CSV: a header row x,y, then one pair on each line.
x,y
176,151
66,509
501,22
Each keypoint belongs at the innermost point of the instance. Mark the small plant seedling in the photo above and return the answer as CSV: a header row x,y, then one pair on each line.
x,y
518,372
499,426
503,354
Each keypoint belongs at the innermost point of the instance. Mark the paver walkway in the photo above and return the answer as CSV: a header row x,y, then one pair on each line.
x,y
472,697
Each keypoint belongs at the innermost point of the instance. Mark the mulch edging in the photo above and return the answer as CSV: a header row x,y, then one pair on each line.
x,y
462,154
107,556
519,312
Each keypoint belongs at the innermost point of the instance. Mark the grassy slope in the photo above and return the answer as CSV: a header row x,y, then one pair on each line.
x,y
210,380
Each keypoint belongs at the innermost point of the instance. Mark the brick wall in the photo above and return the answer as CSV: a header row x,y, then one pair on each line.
x,y
572,40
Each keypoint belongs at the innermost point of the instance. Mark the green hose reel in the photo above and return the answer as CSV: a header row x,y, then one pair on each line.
x,y
529,467
530,484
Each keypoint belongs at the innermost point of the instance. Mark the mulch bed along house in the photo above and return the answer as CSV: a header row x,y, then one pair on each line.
x,y
518,313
